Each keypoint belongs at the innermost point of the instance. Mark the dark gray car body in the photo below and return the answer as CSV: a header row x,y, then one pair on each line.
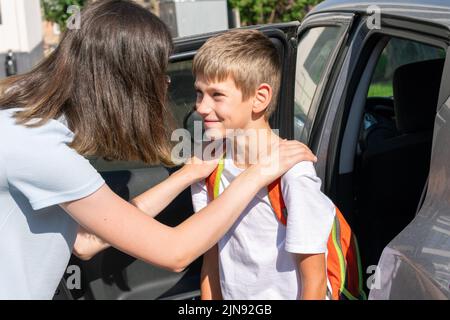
x,y
416,264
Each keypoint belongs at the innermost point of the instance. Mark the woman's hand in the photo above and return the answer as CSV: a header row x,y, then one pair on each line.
x,y
198,169
282,156
87,244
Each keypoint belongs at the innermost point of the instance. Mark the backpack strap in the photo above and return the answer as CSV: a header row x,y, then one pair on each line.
x,y
277,201
273,190
343,262
213,182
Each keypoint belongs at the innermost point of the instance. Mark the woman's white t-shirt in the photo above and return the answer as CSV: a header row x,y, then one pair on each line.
x,y
257,255
38,171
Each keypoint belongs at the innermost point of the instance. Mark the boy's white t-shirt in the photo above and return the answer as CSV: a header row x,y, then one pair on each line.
x,y
257,255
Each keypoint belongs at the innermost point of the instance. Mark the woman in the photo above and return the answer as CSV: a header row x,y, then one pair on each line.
x,y
101,92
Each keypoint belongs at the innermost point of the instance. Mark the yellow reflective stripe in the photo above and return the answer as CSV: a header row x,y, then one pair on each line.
x,y
217,181
340,255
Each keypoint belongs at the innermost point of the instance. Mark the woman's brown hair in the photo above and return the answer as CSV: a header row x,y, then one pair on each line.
x,y
108,80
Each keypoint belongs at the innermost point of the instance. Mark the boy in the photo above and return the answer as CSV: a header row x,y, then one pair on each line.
x,y
237,83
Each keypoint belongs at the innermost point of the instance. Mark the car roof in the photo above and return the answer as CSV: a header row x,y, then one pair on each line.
x,y
437,11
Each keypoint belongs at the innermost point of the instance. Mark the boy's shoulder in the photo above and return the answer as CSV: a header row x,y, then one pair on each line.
x,y
301,169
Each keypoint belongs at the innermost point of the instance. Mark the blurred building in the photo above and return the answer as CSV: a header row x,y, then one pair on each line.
x,y
20,32
190,17
23,31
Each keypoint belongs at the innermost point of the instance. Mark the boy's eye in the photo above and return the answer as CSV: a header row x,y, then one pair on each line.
x,y
218,94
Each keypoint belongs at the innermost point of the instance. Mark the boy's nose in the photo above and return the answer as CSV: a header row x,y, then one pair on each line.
x,y
203,108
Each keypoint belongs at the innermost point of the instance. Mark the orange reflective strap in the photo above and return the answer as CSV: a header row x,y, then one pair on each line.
x,y
210,185
276,200
213,181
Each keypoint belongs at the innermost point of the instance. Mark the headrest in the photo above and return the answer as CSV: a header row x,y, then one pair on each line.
x,y
416,94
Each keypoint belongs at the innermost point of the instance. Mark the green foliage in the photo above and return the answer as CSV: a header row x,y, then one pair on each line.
x,y
381,89
56,10
270,11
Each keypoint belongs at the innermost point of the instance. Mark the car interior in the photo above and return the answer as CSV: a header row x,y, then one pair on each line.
x,y
395,106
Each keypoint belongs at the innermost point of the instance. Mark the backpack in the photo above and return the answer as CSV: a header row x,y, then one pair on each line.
x,y
343,260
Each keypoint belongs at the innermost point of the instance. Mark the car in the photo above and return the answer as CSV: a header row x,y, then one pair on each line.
x,y
367,87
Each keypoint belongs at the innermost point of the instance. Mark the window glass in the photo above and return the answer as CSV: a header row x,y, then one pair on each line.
x,y
398,52
181,94
315,50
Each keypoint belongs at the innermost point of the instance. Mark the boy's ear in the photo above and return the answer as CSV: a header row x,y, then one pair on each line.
x,y
262,98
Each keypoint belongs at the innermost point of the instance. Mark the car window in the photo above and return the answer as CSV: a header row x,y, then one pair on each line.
x,y
181,94
314,52
398,52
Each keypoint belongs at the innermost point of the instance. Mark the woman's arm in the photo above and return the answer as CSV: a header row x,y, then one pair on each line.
x,y
132,231
152,202
210,279
313,276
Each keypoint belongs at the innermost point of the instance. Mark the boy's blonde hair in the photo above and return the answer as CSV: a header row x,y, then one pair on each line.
x,y
248,56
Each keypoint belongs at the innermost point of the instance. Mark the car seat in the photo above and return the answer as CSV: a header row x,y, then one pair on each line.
x,y
393,170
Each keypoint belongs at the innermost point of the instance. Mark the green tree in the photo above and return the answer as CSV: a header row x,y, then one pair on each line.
x,y
271,11
56,10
